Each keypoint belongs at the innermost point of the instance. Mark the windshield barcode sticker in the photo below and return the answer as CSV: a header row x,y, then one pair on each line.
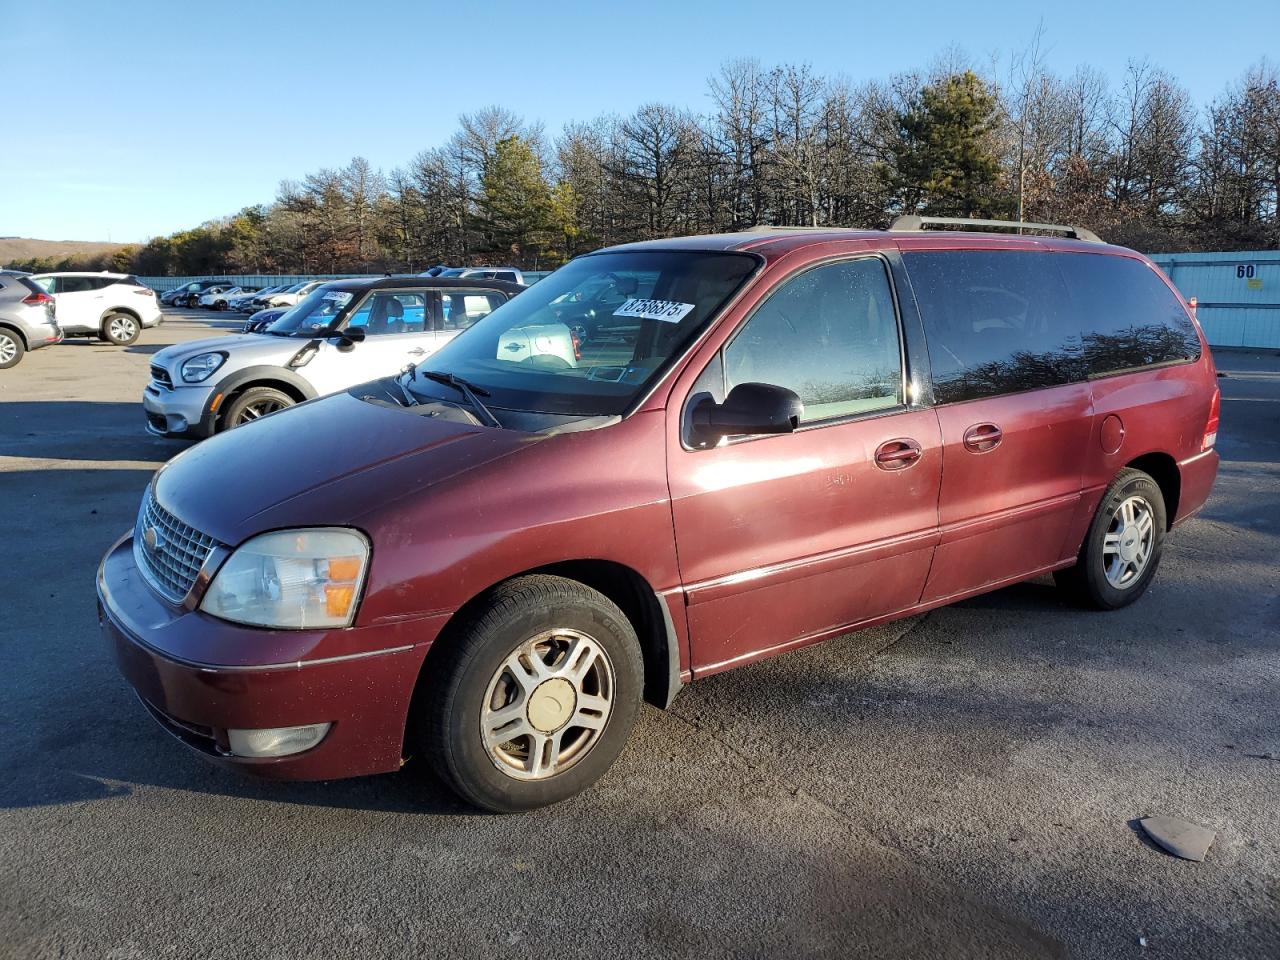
x,y
669,311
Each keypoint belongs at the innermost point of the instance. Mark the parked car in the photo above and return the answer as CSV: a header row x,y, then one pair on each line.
x,y
346,332
489,563
262,319
293,295
509,274
245,303
217,298
188,294
27,318
115,307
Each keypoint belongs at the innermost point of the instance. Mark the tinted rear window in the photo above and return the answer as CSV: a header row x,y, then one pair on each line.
x,y
996,322
1128,316
1004,321
75,284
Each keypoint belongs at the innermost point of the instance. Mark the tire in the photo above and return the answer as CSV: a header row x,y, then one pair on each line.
x,y
219,305
254,403
121,329
1121,551
561,623
11,349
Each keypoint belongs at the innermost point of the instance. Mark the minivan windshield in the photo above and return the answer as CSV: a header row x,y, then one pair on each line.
x,y
591,337
317,311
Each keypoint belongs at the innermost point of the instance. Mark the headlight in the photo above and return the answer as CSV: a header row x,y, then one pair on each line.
x,y
292,580
201,366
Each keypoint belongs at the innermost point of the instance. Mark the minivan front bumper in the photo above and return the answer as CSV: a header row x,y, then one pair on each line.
x,y
365,696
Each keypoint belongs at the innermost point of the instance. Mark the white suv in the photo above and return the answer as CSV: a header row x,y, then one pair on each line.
x,y
113,306
293,295
345,333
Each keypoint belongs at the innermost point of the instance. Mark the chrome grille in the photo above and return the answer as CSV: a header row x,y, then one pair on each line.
x,y
169,551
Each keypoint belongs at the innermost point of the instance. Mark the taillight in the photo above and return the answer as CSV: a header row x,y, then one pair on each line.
x,y
1211,425
144,292
37,298
577,345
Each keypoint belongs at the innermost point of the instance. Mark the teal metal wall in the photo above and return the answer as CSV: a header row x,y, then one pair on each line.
x,y
161,284
1237,294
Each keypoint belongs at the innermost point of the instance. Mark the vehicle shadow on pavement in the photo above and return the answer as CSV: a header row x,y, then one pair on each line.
x,y
145,348
79,431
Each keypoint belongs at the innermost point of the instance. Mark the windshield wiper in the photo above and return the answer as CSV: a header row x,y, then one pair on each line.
x,y
471,391
409,399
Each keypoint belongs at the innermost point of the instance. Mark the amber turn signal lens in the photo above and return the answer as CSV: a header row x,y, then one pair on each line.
x,y
344,568
337,600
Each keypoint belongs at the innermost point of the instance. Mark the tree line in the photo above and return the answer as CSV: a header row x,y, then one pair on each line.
x,y
1139,163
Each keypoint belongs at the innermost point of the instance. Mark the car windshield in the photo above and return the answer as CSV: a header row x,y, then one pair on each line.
x,y
590,338
317,312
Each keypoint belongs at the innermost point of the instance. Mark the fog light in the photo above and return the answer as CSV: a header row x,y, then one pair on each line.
x,y
276,741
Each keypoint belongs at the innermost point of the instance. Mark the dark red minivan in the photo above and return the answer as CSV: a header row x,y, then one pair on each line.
x,y
664,460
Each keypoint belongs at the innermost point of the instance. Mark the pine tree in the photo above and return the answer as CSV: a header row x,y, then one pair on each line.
x,y
516,213
944,161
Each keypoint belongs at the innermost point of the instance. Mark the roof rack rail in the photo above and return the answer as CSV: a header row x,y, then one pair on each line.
x,y
912,222
765,227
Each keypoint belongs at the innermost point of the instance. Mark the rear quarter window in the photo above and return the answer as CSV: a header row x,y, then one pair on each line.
x,y
1127,316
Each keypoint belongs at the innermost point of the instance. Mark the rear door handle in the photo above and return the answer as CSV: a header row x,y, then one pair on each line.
x,y
897,454
982,437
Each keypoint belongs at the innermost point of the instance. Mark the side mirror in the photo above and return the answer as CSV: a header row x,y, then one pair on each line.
x,y
345,340
750,408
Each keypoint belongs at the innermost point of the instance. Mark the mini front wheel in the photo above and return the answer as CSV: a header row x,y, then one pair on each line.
x,y
534,698
254,403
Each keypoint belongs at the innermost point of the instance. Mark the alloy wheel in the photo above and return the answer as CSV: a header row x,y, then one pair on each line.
x,y
8,348
260,409
121,329
547,705
1127,545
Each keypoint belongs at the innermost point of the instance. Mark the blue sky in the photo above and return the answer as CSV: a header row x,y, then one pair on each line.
x,y
275,89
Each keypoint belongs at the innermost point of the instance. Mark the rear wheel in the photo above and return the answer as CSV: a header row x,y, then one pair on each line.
x,y
254,403
120,329
1121,551
11,349
536,696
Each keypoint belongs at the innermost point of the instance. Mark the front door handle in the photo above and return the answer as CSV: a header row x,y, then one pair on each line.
x,y
417,352
982,437
897,454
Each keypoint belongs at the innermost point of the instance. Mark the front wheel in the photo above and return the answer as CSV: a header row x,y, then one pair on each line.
x,y
535,697
120,329
1122,549
254,403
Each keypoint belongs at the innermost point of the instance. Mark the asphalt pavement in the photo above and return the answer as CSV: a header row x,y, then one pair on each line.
x,y
962,784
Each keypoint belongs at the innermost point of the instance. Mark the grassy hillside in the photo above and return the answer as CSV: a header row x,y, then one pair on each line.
x,y
21,250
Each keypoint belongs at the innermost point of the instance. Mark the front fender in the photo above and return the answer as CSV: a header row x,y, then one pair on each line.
x,y
240,379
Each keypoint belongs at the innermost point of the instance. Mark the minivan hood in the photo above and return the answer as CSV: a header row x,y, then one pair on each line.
x,y
323,463
244,348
